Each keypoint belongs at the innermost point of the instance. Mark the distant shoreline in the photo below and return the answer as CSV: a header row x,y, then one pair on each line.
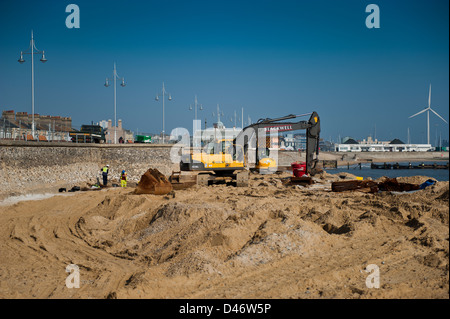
x,y
288,157
391,160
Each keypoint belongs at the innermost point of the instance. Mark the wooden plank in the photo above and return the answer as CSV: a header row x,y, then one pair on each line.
x,y
304,180
354,185
390,184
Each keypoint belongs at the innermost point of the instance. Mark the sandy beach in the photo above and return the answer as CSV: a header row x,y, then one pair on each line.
x,y
231,156
267,240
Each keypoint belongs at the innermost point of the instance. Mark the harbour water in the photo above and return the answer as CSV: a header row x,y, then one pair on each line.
x,y
365,171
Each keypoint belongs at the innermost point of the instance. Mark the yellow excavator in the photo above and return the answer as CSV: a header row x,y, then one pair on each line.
x,y
228,160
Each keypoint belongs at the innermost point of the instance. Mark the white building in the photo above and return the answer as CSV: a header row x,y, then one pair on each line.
x,y
383,148
375,146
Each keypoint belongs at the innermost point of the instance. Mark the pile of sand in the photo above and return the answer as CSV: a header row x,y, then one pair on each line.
x,y
264,241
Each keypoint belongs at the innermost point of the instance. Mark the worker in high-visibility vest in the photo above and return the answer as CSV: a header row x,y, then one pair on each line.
x,y
105,171
123,179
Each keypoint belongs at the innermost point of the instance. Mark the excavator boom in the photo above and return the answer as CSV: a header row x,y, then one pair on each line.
x,y
267,126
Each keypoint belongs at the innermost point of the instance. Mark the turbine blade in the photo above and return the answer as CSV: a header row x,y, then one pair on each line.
x,y
438,115
429,97
418,113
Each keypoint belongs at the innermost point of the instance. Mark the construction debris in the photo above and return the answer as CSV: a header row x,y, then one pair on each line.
x,y
73,189
304,180
153,182
369,186
392,185
355,185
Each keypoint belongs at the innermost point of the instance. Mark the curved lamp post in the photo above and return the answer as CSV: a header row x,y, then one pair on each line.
x,y
195,107
163,94
33,50
114,78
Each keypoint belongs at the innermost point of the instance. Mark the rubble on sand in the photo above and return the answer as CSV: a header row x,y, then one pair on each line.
x,y
369,186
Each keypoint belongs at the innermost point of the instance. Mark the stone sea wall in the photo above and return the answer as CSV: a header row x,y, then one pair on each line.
x,y
35,166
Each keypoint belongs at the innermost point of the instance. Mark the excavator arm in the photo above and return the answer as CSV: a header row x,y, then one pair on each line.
x,y
312,127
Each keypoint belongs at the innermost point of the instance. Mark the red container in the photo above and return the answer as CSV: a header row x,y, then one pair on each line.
x,y
299,169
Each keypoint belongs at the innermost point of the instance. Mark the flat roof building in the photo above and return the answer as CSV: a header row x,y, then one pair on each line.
x,y
395,145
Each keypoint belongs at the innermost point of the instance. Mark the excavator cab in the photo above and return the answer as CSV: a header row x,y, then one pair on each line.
x,y
265,161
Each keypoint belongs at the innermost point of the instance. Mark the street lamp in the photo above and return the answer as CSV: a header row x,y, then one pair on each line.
x,y
235,121
197,125
219,113
163,94
115,77
21,60
195,107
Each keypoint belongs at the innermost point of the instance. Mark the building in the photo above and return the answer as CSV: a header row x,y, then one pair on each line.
x,y
118,132
292,141
18,126
289,142
370,145
158,138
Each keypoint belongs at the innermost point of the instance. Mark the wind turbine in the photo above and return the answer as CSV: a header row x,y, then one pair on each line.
x,y
428,109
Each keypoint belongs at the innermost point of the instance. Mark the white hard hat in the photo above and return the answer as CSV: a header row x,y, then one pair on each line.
x,y
107,165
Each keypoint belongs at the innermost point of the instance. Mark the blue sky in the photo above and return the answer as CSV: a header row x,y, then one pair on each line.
x,y
271,58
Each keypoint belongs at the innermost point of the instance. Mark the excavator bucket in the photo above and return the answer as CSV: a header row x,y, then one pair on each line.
x,y
153,182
